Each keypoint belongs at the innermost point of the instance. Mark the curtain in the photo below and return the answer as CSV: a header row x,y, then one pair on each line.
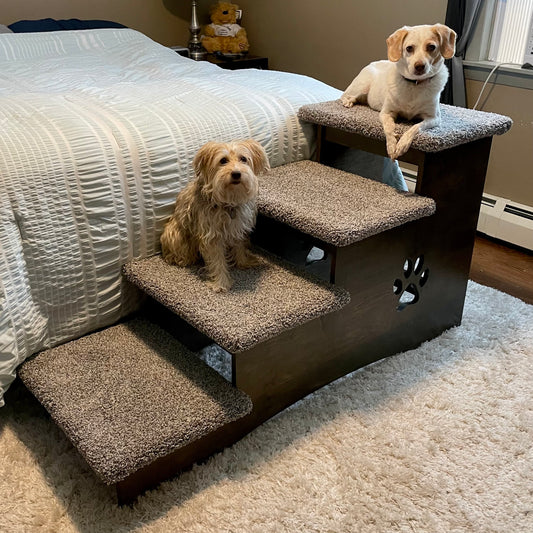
x,y
461,16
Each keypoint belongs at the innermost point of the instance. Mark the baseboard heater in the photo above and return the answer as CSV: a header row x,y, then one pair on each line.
x,y
499,218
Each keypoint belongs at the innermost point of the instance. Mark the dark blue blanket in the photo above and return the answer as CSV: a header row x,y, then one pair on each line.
x,y
27,26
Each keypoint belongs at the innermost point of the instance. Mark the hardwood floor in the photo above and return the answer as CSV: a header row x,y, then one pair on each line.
x,y
503,267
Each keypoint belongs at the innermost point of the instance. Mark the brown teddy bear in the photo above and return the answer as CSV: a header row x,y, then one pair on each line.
x,y
224,35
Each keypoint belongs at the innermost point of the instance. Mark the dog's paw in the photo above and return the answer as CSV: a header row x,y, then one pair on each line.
x,y
401,147
169,258
395,154
347,101
222,284
215,286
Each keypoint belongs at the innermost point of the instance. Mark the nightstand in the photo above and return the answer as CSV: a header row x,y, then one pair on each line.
x,y
181,50
247,61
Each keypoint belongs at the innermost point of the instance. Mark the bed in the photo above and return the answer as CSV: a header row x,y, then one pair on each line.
x,y
97,133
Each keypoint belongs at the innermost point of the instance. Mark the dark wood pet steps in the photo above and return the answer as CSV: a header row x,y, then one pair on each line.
x,y
140,406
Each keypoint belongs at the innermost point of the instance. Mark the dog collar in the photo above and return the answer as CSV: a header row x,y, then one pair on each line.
x,y
417,82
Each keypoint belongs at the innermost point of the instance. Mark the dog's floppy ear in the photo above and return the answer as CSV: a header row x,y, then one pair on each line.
x,y
447,40
395,44
260,161
204,158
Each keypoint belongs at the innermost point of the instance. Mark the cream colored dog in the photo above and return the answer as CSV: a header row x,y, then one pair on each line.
x,y
408,84
216,212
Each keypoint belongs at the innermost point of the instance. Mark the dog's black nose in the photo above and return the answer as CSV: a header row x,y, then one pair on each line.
x,y
235,177
419,68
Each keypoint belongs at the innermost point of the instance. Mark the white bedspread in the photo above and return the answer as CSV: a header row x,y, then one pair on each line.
x,y
97,132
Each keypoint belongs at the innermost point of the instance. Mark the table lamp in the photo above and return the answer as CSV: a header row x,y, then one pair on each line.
x,y
196,50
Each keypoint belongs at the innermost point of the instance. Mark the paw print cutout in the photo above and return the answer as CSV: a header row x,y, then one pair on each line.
x,y
415,276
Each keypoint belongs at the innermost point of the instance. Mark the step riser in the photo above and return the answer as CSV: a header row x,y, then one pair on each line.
x,y
294,246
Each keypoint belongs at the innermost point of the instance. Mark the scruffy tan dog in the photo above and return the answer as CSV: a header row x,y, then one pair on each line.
x,y
216,212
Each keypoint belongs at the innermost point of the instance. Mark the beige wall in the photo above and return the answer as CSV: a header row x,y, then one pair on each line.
x,y
510,173
330,41
165,21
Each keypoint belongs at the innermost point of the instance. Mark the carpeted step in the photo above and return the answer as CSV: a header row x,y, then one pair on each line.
x,y
337,207
130,394
458,126
263,302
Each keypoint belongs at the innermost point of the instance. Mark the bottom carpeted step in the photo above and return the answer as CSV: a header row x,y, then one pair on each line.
x,y
130,394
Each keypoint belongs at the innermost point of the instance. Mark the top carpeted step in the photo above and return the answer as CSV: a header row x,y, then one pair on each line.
x,y
337,207
458,126
263,302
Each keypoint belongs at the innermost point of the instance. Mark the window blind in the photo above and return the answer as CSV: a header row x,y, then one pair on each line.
x,y
510,30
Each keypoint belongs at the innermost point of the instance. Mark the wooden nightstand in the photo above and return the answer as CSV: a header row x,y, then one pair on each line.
x,y
247,61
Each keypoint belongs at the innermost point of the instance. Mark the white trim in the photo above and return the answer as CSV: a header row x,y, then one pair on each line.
x,y
509,221
513,76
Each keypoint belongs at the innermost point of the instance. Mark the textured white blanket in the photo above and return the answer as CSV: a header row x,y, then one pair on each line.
x,y
98,129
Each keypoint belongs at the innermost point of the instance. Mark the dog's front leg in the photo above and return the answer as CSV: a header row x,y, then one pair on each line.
x,y
388,120
350,95
216,265
408,137
357,91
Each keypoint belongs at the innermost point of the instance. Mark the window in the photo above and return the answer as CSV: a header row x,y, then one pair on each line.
x,y
501,38
511,26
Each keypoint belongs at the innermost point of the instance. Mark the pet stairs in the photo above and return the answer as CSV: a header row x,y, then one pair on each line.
x,y
393,274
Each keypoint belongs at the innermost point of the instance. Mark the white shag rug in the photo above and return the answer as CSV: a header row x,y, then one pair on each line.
x,y
438,439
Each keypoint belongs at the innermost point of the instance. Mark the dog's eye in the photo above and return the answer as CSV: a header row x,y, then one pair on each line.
x,y
409,49
224,161
243,159
431,48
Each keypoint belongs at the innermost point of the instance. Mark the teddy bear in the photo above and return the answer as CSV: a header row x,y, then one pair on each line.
x,y
224,35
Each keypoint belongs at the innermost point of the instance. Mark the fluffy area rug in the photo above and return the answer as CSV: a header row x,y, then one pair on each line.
x,y
437,439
